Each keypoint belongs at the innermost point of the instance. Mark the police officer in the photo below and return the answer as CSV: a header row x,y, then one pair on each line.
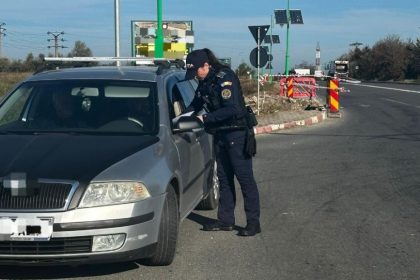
x,y
219,92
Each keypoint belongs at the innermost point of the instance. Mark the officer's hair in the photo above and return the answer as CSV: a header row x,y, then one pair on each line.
x,y
213,61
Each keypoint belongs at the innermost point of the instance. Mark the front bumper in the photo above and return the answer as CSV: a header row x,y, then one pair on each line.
x,y
73,231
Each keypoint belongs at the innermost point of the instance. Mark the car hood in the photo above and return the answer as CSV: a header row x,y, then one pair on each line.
x,y
64,156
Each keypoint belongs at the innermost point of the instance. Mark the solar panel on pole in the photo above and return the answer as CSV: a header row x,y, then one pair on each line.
x,y
296,16
280,16
275,39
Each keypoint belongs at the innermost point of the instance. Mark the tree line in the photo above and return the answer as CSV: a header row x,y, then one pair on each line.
x,y
36,63
389,59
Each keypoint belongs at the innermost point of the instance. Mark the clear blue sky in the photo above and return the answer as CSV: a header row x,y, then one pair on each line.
x,y
218,24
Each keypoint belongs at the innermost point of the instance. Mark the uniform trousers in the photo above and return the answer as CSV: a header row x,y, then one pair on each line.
x,y
232,162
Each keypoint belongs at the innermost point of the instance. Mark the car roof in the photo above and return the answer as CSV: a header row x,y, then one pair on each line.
x,y
136,73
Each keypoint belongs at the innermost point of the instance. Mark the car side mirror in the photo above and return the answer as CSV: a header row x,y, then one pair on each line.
x,y
187,124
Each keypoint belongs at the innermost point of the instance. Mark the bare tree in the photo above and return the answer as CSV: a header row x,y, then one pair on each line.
x,y
390,58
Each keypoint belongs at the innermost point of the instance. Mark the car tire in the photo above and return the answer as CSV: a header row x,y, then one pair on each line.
x,y
168,232
211,200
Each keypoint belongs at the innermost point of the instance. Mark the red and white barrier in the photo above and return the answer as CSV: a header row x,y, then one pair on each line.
x,y
303,87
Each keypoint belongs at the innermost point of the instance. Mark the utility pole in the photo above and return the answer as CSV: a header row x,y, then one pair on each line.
x,y
288,17
286,63
2,30
55,39
117,30
271,47
159,32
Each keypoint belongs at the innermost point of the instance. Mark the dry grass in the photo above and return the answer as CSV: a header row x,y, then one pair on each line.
x,y
9,80
270,99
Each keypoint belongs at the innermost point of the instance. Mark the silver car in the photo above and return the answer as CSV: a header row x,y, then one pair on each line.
x,y
98,165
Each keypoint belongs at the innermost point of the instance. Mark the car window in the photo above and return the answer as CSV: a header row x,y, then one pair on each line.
x,y
13,108
83,106
187,91
182,96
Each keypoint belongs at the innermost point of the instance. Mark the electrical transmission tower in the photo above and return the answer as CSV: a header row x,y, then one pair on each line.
x,y
356,44
56,36
2,30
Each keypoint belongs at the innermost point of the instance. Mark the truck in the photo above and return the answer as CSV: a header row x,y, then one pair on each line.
x,y
302,71
339,68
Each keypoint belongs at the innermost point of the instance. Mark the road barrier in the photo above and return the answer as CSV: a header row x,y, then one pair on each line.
x,y
290,91
298,87
333,96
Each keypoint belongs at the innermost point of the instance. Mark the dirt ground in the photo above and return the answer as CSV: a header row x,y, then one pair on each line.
x,y
271,101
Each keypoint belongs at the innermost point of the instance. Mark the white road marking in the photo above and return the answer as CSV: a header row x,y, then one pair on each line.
x,y
396,89
399,102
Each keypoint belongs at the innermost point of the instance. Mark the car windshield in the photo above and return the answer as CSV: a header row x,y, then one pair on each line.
x,y
81,106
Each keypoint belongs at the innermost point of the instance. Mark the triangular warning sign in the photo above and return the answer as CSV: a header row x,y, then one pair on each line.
x,y
254,31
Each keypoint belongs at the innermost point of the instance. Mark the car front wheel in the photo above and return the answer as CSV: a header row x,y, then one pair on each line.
x,y
211,200
168,232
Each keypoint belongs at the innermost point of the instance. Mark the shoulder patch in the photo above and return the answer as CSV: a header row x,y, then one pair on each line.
x,y
226,93
226,84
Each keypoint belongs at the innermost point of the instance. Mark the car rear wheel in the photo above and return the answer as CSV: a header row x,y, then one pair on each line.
x,y
168,232
211,200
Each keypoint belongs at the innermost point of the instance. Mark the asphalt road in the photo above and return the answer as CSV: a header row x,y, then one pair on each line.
x,y
340,200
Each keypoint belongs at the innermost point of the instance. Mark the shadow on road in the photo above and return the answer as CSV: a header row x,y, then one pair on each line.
x,y
202,220
60,272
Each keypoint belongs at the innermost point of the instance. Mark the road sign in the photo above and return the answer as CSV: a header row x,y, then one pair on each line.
x,y
253,57
254,31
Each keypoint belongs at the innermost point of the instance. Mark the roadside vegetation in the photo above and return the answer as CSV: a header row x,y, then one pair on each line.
x,y
13,71
389,59
9,80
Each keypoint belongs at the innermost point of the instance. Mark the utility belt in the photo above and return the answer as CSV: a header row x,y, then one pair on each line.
x,y
250,147
246,122
249,120
238,124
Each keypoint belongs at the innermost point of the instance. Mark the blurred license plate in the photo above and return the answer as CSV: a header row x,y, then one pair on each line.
x,y
21,229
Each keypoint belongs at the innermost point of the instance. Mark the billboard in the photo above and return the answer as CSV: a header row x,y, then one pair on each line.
x,y
178,38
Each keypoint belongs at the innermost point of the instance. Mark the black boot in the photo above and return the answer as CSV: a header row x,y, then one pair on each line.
x,y
250,230
217,226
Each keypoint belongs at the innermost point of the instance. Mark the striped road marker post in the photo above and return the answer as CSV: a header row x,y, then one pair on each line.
x,y
334,98
289,87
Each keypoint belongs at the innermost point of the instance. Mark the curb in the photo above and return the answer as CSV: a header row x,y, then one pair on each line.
x,y
273,127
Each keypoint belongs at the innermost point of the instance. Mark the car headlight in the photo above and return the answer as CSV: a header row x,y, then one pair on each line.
x,y
100,194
